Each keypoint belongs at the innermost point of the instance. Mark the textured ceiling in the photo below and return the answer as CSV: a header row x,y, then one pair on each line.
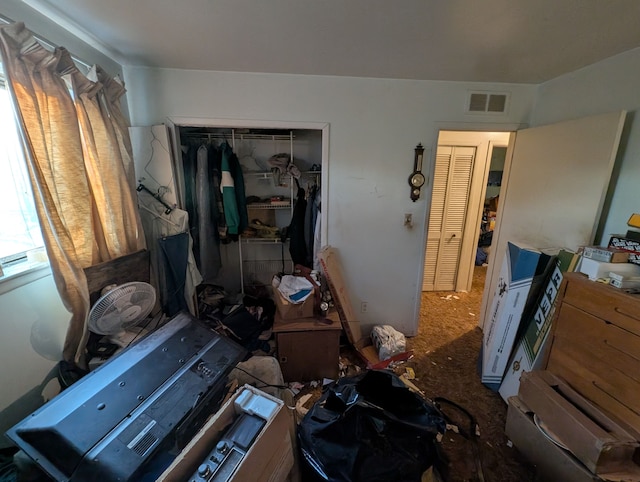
x,y
523,41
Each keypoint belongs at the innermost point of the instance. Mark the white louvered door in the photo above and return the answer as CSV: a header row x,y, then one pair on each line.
x,y
451,186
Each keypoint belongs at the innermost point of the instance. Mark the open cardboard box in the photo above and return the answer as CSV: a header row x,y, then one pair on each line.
x,y
604,446
270,457
552,462
293,311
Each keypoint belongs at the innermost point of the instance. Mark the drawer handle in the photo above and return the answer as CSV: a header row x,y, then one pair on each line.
x,y
618,310
621,350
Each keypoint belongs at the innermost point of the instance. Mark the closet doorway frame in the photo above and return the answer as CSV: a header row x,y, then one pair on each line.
x,y
174,123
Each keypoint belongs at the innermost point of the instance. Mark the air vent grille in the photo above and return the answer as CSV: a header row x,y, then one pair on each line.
x,y
144,444
495,103
478,102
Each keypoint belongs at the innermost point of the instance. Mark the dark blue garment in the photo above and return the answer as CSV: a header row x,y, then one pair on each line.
x,y
175,251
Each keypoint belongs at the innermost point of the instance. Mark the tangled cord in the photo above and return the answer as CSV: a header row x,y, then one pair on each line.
x,y
472,433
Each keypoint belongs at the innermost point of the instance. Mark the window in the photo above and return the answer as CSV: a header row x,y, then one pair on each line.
x,y
19,226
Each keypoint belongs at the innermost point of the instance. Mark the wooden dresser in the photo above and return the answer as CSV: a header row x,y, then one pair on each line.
x,y
595,346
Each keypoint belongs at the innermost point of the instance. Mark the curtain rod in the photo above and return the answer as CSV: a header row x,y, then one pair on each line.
x,y
46,43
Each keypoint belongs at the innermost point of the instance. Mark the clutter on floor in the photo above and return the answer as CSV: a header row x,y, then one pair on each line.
x,y
319,365
370,427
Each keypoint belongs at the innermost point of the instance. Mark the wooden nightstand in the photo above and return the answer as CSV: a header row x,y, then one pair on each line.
x,y
308,348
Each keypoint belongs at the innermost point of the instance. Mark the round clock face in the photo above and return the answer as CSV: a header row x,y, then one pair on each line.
x,y
417,179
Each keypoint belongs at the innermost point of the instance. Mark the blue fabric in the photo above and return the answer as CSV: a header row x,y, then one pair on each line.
x,y
299,295
175,252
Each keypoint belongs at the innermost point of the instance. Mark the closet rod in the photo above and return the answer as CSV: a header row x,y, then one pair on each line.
x,y
204,135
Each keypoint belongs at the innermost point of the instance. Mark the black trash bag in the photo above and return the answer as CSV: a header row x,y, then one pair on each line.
x,y
370,427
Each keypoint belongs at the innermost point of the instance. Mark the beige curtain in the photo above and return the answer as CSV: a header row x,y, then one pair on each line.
x,y
84,201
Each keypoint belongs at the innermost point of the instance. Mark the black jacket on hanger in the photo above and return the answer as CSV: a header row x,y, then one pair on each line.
x,y
297,245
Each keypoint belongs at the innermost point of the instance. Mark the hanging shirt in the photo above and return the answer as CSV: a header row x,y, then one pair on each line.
x,y
227,187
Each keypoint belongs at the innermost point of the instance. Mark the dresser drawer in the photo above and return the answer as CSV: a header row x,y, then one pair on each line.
x,y
598,359
603,301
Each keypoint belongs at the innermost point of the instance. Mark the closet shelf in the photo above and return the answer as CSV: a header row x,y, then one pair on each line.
x,y
269,174
269,206
260,240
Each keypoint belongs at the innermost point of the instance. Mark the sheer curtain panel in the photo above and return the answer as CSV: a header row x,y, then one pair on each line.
x,y
84,199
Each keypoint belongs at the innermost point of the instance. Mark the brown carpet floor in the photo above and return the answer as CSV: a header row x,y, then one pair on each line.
x,y
445,363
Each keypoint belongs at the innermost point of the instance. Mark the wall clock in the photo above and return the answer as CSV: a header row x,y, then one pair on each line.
x,y
417,179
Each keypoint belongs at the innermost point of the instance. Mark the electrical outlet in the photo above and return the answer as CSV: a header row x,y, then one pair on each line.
x,y
364,306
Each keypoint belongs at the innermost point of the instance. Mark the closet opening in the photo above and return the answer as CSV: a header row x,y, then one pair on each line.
x,y
253,194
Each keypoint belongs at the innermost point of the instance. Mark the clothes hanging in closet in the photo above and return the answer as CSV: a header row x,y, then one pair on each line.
x,y
297,245
310,222
227,186
232,188
215,200
209,259
317,245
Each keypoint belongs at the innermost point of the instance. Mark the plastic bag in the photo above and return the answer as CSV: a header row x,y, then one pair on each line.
x,y
295,289
370,427
388,341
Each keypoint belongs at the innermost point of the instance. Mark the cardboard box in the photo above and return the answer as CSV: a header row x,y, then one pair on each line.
x,y
552,462
604,447
308,348
529,351
624,282
599,269
517,274
293,311
628,244
608,254
270,457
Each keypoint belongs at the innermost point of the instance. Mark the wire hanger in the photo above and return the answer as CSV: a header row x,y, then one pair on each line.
x,y
156,215
142,187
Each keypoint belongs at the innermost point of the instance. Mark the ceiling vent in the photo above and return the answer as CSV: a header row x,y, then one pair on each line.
x,y
487,102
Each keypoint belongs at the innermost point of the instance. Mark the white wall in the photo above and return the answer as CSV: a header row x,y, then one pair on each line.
x,y
33,325
610,85
374,126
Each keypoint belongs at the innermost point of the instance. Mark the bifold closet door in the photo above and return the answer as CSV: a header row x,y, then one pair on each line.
x,y
451,186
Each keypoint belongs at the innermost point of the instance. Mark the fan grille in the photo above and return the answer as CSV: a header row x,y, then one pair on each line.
x,y
122,308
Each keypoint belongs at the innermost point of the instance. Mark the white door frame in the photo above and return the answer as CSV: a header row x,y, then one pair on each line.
x,y
448,126
483,141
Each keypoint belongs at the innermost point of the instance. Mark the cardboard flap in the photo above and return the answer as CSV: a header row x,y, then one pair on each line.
x,y
333,272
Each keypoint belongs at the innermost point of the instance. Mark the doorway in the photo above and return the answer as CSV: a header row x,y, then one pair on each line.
x,y
468,167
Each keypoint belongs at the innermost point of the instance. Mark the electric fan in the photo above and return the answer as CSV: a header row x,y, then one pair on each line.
x,y
122,307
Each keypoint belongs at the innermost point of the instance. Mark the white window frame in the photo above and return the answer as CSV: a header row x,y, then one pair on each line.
x,y
23,266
